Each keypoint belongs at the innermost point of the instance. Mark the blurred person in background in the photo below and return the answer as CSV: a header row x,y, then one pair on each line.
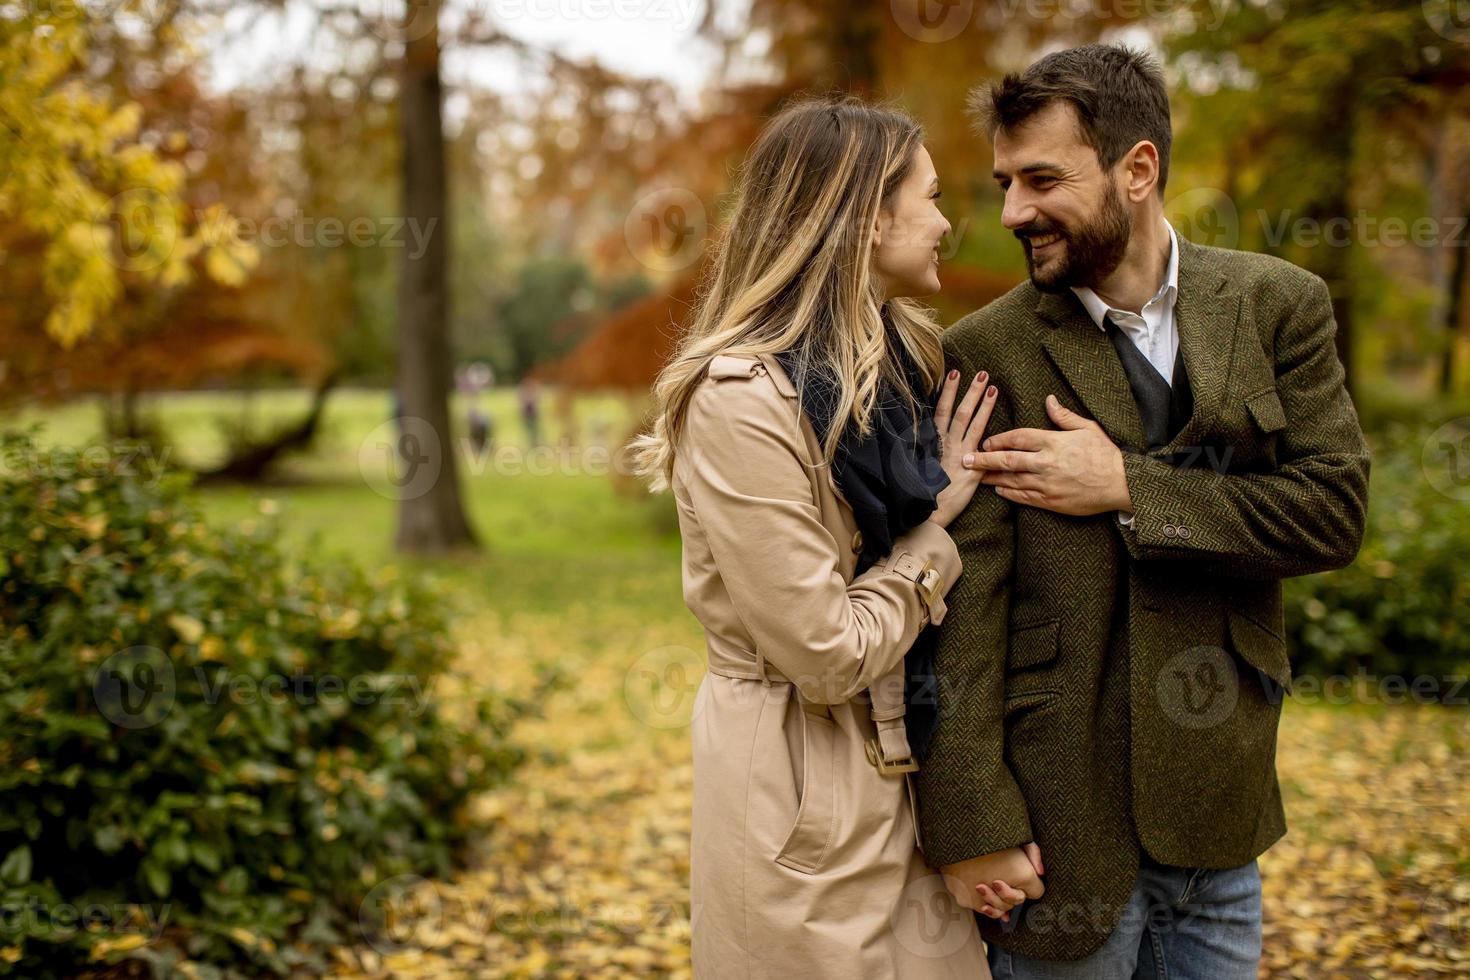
x,y
530,400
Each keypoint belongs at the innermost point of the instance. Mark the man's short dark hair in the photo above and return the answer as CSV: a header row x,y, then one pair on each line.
x,y
1119,95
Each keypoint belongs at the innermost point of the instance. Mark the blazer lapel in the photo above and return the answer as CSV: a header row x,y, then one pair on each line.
x,y
1206,317
1085,355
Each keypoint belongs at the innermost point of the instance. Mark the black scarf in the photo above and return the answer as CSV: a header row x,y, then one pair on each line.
x,y
891,479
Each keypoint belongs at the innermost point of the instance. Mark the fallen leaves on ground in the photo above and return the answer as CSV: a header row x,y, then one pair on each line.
x,y
1373,878
583,867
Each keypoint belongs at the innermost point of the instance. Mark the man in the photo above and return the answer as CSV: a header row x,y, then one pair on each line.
x,y
1173,438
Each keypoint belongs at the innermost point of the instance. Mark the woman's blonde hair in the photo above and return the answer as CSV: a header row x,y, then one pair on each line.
x,y
794,273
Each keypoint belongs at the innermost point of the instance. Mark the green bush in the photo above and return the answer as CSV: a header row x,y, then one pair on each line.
x,y
204,740
1403,607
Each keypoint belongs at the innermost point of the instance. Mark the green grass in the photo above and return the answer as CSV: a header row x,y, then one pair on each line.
x,y
547,538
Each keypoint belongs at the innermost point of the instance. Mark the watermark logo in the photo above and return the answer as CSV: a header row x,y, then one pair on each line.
x,y
401,459
399,21
399,910
1450,19
135,687
137,230
928,922
666,229
932,21
662,685
1446,459
1198,688
1205,216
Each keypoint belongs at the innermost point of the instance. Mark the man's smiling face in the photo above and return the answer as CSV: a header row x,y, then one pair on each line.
x,y
1066,210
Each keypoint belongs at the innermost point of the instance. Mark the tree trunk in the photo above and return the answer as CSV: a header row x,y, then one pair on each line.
x,y
1455,316
855,36
1334,264
1445,266
251,462
120,414
431,516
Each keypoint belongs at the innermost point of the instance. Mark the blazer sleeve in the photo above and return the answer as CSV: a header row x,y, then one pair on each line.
x,y
1307,516
969,801
744,466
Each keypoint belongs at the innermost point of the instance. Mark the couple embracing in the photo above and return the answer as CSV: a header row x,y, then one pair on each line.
x,y
994,620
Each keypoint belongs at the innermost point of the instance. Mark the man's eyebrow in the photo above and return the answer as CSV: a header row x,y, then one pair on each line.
x,y
1030,168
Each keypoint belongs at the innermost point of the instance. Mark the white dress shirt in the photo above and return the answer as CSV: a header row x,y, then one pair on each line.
x,y
1154,331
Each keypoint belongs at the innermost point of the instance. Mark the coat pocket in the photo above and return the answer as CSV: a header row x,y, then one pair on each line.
x,y
1034,645
810,840
1260,648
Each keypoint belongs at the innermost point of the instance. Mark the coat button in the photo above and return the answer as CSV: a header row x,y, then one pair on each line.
x,y
1185,532
857,542
1170,531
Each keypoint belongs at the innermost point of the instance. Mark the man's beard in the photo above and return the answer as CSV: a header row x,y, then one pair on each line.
x,y
1090,253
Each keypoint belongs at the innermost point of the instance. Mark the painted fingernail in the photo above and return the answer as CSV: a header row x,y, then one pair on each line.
x,y
991,393
953,375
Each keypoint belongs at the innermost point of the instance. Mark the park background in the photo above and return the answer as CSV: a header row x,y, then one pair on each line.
x,y
288,687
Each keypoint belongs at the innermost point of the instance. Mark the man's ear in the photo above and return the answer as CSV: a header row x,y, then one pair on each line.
x,y
1143,170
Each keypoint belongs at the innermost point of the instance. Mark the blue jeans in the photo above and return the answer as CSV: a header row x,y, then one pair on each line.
x,y
1180,924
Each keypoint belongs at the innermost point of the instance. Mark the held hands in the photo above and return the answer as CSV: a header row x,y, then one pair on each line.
x,y
1077,470
960,430
993,884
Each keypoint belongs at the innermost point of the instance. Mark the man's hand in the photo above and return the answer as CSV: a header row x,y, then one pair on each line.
x,y
1077,470
993,884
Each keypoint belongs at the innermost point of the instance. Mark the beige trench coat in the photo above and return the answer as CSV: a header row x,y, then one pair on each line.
x,y
804,856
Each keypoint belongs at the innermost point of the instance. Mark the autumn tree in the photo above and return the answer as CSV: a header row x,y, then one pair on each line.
x,y
102,207
1301,101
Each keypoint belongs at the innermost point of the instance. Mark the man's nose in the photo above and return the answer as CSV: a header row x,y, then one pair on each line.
x,y
1018,212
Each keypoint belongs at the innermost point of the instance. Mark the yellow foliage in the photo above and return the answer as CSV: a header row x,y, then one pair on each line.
x,y
110,209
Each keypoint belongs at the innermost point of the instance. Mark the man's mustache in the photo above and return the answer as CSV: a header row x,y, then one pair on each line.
x,y
1037,231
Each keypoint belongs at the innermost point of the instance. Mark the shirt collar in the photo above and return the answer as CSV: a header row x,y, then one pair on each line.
x,y
1098,309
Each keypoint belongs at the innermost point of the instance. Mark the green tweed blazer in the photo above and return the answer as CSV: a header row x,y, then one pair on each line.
x,y
1105,690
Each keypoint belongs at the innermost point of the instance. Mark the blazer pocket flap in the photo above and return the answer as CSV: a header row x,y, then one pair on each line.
x,y
1260,648
1265,408
1033,646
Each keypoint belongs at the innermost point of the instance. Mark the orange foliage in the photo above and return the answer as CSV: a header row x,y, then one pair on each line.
x,y
628,349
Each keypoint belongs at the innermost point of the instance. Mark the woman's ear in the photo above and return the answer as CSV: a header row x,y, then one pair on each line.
x,y
878,231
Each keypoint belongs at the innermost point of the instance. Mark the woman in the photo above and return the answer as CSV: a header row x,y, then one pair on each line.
x,y
794,428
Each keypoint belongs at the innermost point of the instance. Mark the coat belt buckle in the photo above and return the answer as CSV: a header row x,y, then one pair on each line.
x,y
888,767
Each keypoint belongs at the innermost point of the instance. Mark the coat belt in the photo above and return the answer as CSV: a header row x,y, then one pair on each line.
x,y
890,752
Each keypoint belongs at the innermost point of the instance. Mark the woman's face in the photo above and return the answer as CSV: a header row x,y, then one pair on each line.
x,y
906,240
